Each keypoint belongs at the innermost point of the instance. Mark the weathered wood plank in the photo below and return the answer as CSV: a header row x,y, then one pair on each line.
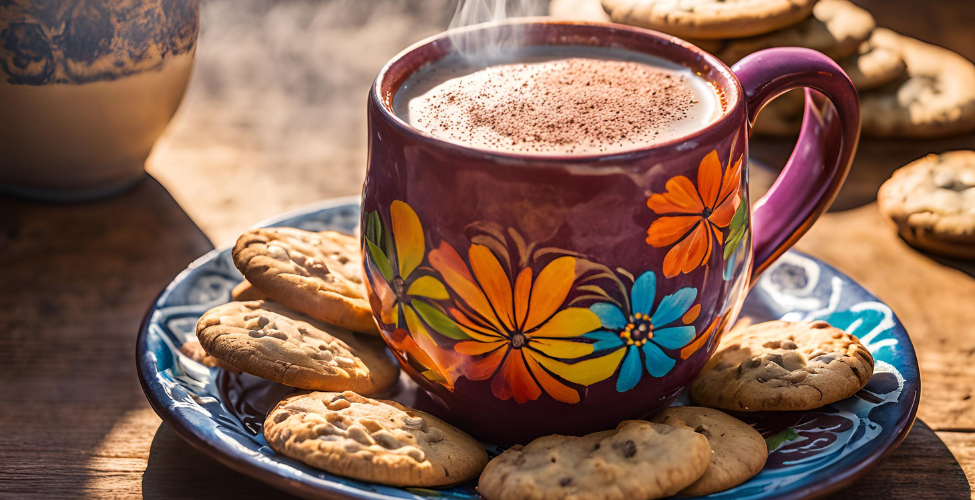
x,y
962,446
922,467
76,281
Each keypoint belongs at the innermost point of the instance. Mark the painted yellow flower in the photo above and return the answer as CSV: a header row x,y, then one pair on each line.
x,y
520,334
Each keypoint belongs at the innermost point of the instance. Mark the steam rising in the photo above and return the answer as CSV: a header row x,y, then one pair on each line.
x,y
471,12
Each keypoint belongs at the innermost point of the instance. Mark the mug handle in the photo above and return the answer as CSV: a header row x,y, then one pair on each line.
x,y
823,154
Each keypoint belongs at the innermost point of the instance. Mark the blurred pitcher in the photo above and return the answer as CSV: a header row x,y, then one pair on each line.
x,y
86,89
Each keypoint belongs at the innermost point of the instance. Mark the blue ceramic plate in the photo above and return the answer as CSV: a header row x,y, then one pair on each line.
x,y
813,453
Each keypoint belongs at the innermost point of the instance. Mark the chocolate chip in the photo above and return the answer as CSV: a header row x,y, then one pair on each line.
x,y
626,448
565,481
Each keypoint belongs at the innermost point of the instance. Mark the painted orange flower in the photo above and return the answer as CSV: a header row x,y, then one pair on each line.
x,y
518,334
690,215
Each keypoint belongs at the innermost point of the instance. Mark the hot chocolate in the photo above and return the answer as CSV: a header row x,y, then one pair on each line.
x,y
557,100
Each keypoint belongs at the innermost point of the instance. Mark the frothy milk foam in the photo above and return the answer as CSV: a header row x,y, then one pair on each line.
x,y
557,100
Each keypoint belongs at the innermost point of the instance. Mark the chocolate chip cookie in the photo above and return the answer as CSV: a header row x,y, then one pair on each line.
x,y
318,274
783,366
638,460
245,291
937,98
877,62
932,201
372,440
836,28
268,340
710,19
738,451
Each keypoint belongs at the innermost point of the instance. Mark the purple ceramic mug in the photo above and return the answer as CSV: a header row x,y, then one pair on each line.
x,y
533,295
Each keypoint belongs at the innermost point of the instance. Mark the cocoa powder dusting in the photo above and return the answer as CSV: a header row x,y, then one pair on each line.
x,y
573,105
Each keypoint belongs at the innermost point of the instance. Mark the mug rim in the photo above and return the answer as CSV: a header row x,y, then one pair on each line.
x,y
727,82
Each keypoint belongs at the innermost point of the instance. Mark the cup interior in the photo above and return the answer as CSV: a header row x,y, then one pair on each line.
x,y
519,33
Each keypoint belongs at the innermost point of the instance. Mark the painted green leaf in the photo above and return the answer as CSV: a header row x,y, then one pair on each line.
x,y
738,228
438,320
738,220
775,442
732,244
387,241
373,228
380,260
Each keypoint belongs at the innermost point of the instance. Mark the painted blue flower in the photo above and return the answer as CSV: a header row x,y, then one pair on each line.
x,y
642,330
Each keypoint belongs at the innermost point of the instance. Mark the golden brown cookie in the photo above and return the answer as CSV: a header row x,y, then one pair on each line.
x,y
783,366
877,62
372,440
266,339
578,10
932,201
937,98
591,11
638,460
738,451
836,28
245,291
709,19
318,274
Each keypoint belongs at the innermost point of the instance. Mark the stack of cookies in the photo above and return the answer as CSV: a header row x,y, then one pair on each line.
x,y
908,88
693,450
302,319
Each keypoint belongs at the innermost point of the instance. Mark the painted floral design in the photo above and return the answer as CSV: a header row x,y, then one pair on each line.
x,y
693,217
407,295
520,333
530,320
878,413
78,42
734,248
641,331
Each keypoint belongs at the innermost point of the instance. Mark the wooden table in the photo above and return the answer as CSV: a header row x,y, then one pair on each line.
x,y
274,119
